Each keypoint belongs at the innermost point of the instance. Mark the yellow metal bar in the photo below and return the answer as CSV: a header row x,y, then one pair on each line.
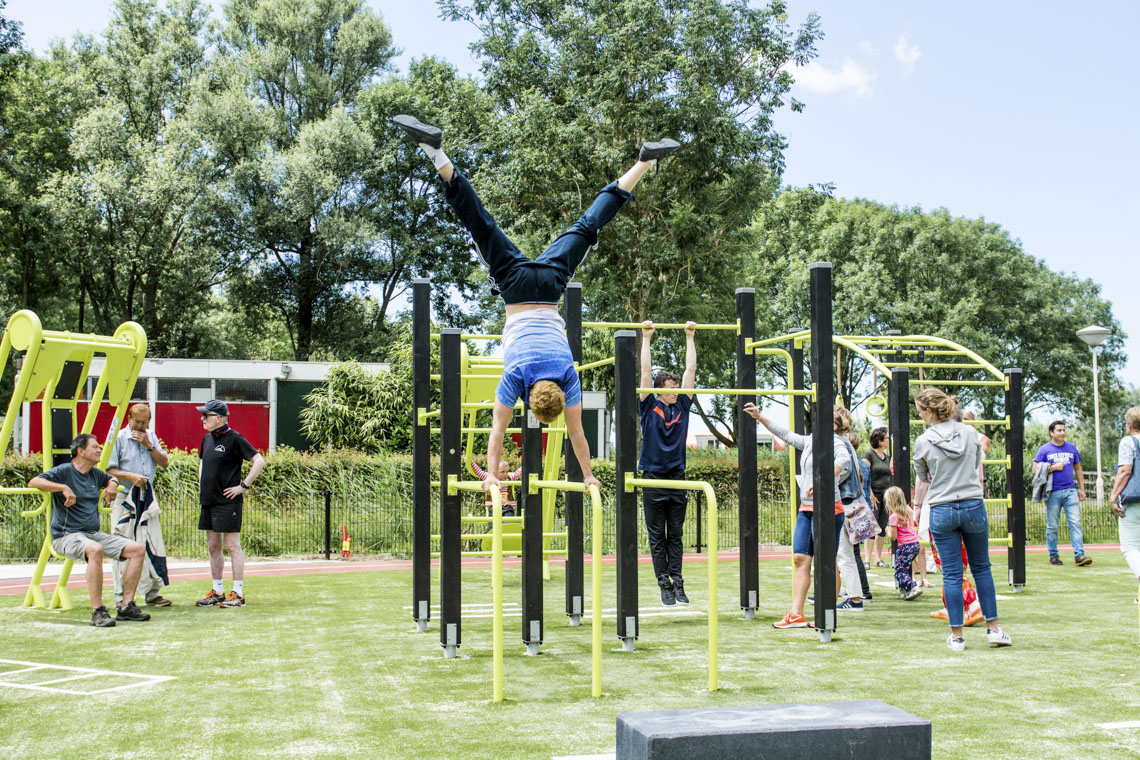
x,y
485,518
592,365
467,336
791,426
928,381
1007,500
931,352
1007,462
859,350
714,548
751,344
667,326
730,391
596,601
933,365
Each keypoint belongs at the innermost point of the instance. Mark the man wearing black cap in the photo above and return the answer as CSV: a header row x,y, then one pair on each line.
x,y
221,488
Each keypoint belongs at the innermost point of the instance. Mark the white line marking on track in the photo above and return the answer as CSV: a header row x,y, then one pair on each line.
x,y
142,679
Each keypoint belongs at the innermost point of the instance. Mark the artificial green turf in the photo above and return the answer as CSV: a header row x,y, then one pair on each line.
x,y
331,666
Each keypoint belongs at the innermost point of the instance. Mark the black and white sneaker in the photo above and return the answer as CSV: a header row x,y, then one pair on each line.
x,y
653,151
100,618
679,591
667,598
131,611
420,132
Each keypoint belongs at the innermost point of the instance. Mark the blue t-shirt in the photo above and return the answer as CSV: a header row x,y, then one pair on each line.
x,y
664,430
1065,454
83,515
535,348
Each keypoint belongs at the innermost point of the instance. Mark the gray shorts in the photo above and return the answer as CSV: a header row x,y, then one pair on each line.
x,y
74,545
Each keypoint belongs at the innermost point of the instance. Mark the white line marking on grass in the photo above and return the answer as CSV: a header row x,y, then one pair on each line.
x,y
1123,724
142,678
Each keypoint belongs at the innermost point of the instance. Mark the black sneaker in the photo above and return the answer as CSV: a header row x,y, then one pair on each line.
x,y
100,618
211,599
420,132
131,611
667,598
1055,561
653,151
679,591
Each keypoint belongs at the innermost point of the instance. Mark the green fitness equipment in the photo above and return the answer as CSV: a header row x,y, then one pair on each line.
x,y
56,364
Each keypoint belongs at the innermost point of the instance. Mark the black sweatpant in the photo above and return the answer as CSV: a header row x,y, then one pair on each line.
x,y
665,521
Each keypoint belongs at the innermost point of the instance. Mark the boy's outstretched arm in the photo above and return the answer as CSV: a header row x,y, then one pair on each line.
x,y
573,417
502,418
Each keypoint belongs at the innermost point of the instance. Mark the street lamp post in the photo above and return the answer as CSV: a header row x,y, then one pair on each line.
x,y
1094,336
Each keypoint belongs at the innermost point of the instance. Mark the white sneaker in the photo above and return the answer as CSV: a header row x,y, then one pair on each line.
x,y
956,645
999,638
913,594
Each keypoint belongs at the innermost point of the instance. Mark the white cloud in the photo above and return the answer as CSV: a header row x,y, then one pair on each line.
x,y
867,48
850,77
906,53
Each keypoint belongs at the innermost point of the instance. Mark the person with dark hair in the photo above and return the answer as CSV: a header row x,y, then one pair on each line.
x,y
879,460
537,364
221,491
946,460
1060,459
75,528
664,430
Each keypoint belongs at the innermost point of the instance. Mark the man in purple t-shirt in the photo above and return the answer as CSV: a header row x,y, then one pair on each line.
x,y
1064,463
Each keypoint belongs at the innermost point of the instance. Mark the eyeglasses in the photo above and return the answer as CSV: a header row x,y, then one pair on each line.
x,y
210,414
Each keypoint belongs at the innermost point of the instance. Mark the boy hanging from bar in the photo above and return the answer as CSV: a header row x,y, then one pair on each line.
x,y
537,364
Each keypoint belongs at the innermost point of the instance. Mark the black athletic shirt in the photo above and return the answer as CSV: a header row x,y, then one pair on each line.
x,y
222,456
880,471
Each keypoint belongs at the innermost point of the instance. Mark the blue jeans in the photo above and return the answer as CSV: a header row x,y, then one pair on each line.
x,y
953,525
803,541
1067,500
517,278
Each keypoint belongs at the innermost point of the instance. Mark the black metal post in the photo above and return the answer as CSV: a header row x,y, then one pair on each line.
x,y
531,534
328,522
575,537
450,462
421,454
748,515
898,419
1015,449
625,462
823,449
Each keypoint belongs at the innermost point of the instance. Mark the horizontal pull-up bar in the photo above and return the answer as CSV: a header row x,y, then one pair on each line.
x,y
556,485
1007,501
924,352
485,430
928,381
670,326
592,365
465,336
933,365
729,391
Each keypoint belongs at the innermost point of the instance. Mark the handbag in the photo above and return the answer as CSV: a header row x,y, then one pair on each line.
x,y
1131,492
859,518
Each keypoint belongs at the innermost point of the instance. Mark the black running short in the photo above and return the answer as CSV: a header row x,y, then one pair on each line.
x,y
220,518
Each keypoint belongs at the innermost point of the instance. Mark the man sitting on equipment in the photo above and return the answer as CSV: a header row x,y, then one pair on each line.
x,y
537,363
75,530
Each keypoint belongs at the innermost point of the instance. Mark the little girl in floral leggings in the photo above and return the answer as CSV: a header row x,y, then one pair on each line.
x,y
902,528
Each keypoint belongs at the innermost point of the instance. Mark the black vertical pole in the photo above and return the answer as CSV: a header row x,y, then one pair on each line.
x,y
823,449
328,522
450,422
625,442
421,454
1015,449
531,534
575,571
898,418
748,511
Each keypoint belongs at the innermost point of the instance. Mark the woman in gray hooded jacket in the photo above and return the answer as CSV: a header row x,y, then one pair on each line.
x,y
947,459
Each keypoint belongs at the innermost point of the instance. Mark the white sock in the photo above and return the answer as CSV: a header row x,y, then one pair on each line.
x,y
218,588
237,587
437,156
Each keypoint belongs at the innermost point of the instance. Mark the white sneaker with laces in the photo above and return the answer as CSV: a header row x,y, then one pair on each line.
x,y
956,645
999,638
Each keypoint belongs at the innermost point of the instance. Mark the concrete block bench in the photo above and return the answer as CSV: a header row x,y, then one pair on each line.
x,y
866,730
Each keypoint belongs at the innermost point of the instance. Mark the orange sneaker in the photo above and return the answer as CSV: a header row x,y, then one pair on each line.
x,y
791,620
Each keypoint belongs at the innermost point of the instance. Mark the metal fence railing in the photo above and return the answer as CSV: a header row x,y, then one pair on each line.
x,y
381,524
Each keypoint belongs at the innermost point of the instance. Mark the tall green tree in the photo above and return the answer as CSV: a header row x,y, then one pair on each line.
x,y
930,273
284,117
134,212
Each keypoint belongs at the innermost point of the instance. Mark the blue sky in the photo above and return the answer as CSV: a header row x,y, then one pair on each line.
x,y
1025,113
